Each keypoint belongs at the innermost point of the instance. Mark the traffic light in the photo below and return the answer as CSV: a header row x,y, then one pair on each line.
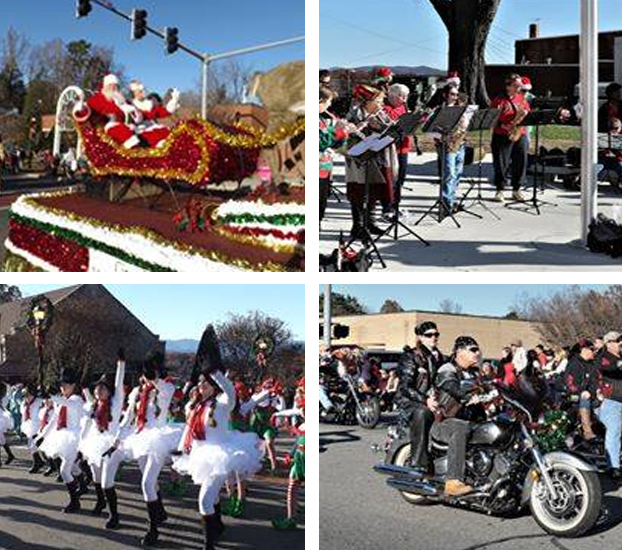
x,y
83,8
340,331
172,39
139,24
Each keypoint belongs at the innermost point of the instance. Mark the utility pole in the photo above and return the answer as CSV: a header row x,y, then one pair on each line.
x,y
327,316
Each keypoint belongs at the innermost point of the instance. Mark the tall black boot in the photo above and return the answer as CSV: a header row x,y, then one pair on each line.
x,y
100,505
210,532
83,484
51,467
151,537
113,519
10,457
162,515
220,526
37,463
74,502
59,478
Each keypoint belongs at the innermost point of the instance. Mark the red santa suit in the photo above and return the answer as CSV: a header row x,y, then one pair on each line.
x,y
148,128
116,111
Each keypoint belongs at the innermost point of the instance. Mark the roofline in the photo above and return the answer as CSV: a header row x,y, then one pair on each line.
x,y
555,37
431,312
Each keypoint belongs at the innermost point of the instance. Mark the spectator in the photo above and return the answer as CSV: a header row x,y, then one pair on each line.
x,y
519,355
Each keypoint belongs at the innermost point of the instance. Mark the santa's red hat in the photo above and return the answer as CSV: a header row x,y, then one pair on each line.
x,y
384,73
453,78
526,83
110,79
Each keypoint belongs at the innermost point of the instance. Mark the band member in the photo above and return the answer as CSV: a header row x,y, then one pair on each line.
x,y
396,107
382,79
103,410
452,152
368,116
332,134
510,145
453,79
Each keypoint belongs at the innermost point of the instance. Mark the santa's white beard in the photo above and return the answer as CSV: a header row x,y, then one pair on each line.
x,y
115,96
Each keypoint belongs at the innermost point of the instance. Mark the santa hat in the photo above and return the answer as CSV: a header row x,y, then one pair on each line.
x,y
383,73
135,86
526,83
110,79
453,78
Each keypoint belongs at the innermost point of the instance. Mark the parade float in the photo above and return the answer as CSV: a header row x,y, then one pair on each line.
x,y
161,208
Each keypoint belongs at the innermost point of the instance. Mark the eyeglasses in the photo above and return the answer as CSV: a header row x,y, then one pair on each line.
x,y
432,334
474,350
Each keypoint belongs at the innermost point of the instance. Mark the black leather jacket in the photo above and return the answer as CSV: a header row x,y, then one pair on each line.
x,y
448,383
418,367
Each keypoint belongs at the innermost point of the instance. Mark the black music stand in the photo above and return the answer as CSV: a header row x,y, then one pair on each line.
x,y
484,119
443,121
364,153
405,126
537,119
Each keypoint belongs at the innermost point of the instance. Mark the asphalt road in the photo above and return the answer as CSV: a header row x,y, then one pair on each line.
x,y
30,516
358,511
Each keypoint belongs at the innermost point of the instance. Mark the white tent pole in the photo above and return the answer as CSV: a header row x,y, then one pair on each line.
x,y
589,122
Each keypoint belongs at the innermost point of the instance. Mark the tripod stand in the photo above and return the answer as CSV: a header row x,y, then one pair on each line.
x,y
482,120
537,119
443,121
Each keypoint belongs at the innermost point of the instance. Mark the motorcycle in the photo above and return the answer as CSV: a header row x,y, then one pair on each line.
x,y
351,403
506,468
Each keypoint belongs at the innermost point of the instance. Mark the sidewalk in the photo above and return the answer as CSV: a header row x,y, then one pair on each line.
x,y
519,241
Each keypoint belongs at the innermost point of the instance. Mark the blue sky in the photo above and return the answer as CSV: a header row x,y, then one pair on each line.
x,y
409,32
183,311
475,299
213,26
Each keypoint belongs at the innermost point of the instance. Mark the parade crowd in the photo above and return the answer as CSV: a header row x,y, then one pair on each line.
x,y
215,430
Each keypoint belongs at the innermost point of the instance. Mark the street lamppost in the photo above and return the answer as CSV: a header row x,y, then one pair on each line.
x,y
39,320
263,346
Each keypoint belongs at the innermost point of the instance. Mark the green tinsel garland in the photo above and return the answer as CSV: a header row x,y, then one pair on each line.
x,y
278,219
89,243
552,434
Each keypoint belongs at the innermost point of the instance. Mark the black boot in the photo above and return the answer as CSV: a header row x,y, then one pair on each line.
x,y
83,485
210,532
220,526
162,515
37,463
51,467
10,456
59,478
100,505
151,537
74,502
113,519
356,231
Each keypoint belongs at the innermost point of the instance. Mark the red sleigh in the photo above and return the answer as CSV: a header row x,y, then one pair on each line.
x,y
196,152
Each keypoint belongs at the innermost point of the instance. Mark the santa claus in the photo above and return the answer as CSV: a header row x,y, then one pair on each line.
x,y
110,105
151,110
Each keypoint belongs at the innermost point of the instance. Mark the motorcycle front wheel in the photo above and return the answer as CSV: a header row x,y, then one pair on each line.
x,y
368,413
575,508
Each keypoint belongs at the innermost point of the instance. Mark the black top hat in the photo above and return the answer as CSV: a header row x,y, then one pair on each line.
x,y
68,376
208,355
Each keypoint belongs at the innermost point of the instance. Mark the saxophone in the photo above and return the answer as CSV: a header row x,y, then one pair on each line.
x,y
515,130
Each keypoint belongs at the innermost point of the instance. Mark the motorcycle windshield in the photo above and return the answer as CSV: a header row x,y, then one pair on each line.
x,y
531,393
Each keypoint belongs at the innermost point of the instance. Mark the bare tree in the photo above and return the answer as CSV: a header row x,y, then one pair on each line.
x,y
468,23
391,306
449,306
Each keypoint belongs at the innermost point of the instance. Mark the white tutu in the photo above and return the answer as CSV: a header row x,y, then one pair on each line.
x,y
152,441
6,421
94,444
222,455
61,443
28,428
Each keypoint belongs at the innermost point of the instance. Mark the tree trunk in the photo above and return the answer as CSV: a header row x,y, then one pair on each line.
x,y
468,23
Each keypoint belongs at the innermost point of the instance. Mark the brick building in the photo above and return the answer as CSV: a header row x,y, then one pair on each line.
x,y
88,327
392,331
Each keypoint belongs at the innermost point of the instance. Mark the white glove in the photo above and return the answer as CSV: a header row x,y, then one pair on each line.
x,y
173,103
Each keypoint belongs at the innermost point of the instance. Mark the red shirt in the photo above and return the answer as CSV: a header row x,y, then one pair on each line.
x,y
509,107
405,146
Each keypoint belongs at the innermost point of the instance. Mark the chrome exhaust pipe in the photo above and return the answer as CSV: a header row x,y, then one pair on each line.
x,y
413,486
392,470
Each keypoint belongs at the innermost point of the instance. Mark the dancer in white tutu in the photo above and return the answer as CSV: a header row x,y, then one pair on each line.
x,y
103,413
209,452
144,436
47,416
60,438
29,408
6,421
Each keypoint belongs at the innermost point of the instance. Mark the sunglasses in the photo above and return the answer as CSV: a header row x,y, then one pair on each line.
x,y
432,334
474,349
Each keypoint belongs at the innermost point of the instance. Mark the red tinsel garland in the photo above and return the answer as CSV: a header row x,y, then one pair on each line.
x,y
57,251
299,236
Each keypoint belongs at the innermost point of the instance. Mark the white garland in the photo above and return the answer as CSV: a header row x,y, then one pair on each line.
x,y
30,258
132,243
236,208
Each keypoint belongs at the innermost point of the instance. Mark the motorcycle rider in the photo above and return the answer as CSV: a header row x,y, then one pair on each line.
x,y
414,397
610,362
452,424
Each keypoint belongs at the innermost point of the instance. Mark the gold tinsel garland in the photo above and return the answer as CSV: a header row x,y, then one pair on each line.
x,y
151,236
